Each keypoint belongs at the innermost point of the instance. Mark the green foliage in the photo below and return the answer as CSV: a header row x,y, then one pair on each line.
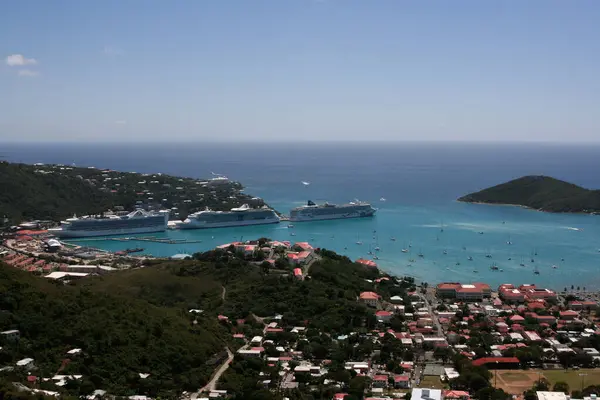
x,y
561,387
120,334
541,193
52,192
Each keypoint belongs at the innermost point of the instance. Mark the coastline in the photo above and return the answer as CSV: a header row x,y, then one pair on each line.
x,y
594,213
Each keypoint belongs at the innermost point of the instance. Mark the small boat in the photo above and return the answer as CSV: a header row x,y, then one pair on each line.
x,y
481,233
554,266
375,257
409,265
509,258
494,268
421,255
377,248
470,258
488,256
444,252
562,259
290,225
522,265
405,250
412,260
358,242
475,271
501,270
536,271
292,234
393,239
382,199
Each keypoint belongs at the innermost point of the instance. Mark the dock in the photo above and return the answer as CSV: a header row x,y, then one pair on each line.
x,y
140,239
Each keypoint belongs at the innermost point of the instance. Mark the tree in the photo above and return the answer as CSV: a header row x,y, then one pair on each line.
x,y
561,387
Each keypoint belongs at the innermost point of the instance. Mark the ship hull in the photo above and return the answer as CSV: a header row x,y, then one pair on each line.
x,y
307,218
228,224
62,233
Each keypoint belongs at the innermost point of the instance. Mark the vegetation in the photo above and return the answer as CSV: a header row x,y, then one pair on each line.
x,y
139,321
53,192
120,335
540,193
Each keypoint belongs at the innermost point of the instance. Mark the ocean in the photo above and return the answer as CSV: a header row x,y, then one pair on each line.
x,y
419,182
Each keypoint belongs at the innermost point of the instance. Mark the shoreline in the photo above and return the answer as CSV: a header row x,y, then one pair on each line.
x,y
593,213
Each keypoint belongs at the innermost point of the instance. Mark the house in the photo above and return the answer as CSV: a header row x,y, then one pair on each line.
x,y
402,381
298,273
383,316
426,394
11,335
396,299
26,363
456,395
370,298
302,257
568,315
380,381
304,246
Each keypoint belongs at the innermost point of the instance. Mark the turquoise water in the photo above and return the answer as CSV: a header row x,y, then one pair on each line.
x,y
552,237
420,183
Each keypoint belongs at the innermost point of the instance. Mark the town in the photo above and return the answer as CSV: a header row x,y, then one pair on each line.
x,y
448,341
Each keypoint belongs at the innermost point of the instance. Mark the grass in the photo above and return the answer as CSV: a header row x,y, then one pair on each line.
x,y
515,376
432,382
572,377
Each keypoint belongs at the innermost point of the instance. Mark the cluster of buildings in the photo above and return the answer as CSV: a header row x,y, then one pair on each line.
x,y
298,255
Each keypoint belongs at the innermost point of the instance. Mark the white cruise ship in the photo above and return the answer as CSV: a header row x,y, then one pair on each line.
x,y
240,216
314,212
138,221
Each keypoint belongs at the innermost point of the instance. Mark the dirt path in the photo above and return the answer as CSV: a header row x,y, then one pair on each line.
x,y
223,293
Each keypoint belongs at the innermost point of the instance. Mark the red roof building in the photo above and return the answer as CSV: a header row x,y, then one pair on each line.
x,y
497,362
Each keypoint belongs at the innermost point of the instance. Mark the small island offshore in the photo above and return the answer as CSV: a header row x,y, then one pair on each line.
x,y
541,193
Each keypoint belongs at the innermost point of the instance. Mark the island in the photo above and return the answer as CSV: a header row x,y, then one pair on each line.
x,y
542,193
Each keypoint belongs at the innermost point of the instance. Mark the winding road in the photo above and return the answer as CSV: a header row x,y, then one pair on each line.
x,y
212,384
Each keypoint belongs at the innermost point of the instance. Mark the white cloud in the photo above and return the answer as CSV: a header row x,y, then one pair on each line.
x,y
112,51
19,60
120,122
28,72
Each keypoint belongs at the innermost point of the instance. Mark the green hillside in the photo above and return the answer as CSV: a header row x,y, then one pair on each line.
x,y
120,336
541,193
138,321
55,192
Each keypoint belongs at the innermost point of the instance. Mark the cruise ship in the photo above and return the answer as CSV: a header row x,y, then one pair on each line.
x,y
138,221
314,212
240,216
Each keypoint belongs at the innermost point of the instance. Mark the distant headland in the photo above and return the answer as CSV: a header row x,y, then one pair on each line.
x,y
542,193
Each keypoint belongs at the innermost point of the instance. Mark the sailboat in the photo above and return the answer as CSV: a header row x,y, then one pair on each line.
x,y
421,254
405,250
393,239
445,252
522,264
536,271
358,241
442,226
470,258
508,241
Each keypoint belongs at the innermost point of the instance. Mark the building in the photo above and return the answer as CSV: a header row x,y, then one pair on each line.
x,y
497,362
370,298
380,381
551,396
466,292
11,335
383,316
426,394
402,381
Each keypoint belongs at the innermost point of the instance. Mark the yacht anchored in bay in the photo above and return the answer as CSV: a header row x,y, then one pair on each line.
x,y
240,216
138,221
314,212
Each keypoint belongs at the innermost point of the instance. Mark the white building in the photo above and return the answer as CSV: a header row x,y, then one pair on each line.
x,y
426,394
551,396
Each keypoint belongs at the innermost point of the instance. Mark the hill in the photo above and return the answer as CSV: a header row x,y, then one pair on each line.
x,y
119,334
541,193
54,192
138,321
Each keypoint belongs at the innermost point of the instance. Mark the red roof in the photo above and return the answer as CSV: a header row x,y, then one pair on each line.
x,y
297,271
383,313
380,378
492,360
369,296
401,378
569,313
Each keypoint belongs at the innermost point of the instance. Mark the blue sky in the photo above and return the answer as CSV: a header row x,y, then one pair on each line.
x,y
300,70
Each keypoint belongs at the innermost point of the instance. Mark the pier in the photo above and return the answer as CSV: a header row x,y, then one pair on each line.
x,y
140,239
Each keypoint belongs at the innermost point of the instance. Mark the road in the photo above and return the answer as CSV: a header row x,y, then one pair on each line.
x,y
212,384
223,293
306,270
434,317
